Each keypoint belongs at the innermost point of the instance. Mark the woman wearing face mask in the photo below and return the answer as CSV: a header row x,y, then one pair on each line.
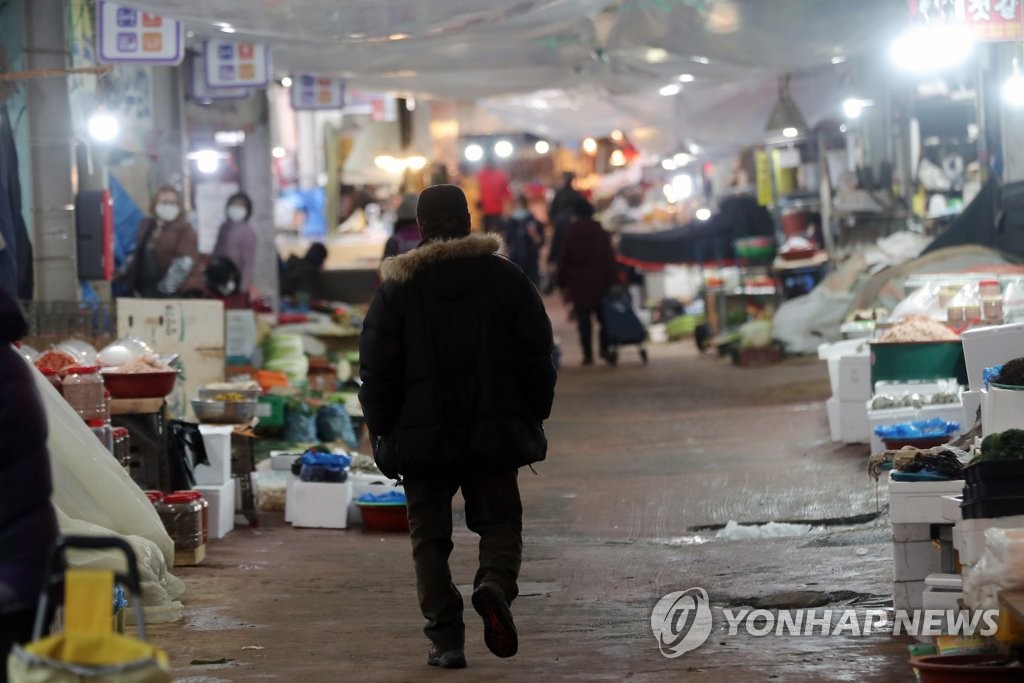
x,y
236,241
166,258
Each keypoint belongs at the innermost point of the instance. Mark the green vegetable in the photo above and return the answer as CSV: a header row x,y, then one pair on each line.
x,y
1008,445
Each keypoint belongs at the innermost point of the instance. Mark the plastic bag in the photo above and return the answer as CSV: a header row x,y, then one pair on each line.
x,y
334,424
299,423
922,429
1000,568
925,301
321,467
391,497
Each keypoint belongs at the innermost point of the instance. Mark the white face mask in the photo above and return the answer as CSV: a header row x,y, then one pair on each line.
x,y
167,212
236,214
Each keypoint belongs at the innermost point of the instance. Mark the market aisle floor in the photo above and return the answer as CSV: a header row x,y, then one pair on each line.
x,y
643,460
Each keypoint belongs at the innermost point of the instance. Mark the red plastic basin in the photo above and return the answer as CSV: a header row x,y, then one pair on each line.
x,y
385,517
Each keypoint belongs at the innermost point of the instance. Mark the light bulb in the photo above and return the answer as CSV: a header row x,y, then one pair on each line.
x,y
542,147
503,149
103,126
474,152
207,161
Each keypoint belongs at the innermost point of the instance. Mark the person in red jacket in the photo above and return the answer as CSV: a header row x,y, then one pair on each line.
x,y
586,271
494,196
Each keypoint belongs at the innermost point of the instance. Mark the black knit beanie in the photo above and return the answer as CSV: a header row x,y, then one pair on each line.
x,y
442,211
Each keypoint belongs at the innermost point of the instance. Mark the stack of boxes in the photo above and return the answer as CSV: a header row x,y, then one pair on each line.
x,y
849,372
214,480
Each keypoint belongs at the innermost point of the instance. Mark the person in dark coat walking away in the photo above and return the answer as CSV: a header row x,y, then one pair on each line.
x,y
406,234
560,215
28,523
524,238
586,271
456,364
236,241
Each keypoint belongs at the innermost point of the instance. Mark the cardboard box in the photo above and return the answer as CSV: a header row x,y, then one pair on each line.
x,y
217,440
915,560
323,506
172,325
222,507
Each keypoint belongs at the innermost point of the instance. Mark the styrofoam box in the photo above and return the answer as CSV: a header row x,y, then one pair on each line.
x,y
222,507
217,440
833,354
950,412
908,595
1001,409
951,508
969,535
971,404
282,461
909,533
367,483
920,502
289,488
938,599
988,346
915,560
319,505
852,416
854,378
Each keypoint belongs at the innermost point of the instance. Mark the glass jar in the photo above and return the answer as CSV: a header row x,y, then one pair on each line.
x,y
122,447
104,432
182,516
83,390
53,377
198,497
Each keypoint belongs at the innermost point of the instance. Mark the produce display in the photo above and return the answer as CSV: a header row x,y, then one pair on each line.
x,y
918,328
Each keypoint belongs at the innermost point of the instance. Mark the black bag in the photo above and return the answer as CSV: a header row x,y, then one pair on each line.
x,y
385,454
619,323
184,440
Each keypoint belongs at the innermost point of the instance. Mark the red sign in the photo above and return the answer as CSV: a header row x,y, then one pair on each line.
x,y
988,20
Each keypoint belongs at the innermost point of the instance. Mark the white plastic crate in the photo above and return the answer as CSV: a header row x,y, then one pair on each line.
x,y
221,513
920,502
217,441
320,505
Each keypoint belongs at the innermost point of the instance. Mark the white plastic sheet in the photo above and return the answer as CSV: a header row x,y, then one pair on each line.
x,y
93,495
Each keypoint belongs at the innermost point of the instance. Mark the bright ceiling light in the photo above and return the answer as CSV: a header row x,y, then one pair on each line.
x,y
474,152
838,59
416,163
669,90
686,78
701,60
278,153
227,28
668,164
286,81
503,149
853,107
843,128
398,36
931,48
703,214
207,161
542,147
683,185
618,158
104,126
790,132
656,55
670,193
590,146
410,104
1013,89
694,148
682,159
616,135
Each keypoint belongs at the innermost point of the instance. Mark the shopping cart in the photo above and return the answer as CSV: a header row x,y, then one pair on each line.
x,y
88,650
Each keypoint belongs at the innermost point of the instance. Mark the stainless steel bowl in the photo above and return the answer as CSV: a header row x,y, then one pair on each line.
x,y
221,412
248,395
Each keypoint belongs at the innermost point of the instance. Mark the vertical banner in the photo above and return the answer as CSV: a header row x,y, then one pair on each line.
x,y
314,92
230,64
130,35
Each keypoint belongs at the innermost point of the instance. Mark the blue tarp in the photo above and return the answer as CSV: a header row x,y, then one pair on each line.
x,y
127,216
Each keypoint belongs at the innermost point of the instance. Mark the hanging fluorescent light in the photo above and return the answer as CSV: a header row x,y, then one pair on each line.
x,y
590,146
618,158
853,107
503,149
207,161
932,47
542,147
227,28
104,126
669,90
474,152
703,214
686,78
286,82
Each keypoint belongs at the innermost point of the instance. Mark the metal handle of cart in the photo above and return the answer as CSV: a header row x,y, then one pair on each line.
x,y
57,566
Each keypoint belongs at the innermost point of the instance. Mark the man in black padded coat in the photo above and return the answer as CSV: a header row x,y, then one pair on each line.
x,y
457,371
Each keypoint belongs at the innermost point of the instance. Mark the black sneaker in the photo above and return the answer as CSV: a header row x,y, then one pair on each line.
x,y
452,659
499,630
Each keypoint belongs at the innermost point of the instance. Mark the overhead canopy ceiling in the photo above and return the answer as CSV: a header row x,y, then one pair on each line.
x,y
598,64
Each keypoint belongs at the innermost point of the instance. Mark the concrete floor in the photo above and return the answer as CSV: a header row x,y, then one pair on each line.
x,y
644,464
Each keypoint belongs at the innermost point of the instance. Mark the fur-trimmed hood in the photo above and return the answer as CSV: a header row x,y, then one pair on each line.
x,y
402,268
